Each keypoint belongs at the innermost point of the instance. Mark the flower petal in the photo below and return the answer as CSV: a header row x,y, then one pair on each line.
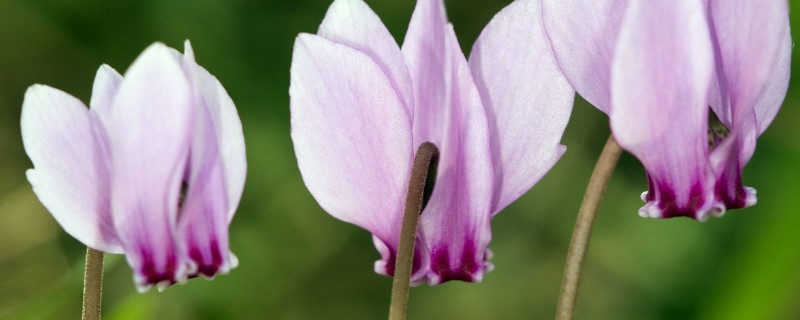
x,y
426,55
777,84
353,23
70,175
583,34
750,35
106,83
352,135
151,120
229,136
528,100
660,79
204,216
754,44
455,223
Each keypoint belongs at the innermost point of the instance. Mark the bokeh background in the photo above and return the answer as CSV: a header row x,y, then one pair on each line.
x,y
297,262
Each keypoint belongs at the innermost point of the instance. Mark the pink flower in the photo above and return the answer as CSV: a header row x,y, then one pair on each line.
x,y
656,66
361,105
154,170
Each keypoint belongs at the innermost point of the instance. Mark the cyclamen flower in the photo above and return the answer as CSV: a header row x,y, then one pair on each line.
x,y
155,169
361,106
656,66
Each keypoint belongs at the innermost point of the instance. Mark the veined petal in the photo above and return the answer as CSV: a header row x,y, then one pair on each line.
x,y
228,130
750,36
753,45
106,83
660,80
754,52
352,136
353,23
774,92
204,215
528,101
454,225
427,57
583,34
70,175
149,134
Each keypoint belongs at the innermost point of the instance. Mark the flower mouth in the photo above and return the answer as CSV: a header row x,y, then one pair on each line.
x,y
717,131
430,182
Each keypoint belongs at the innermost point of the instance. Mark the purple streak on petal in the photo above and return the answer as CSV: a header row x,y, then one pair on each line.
x,y
663,202
149,134
584,34
70,175
455,223
353,23
660,79
424,49
385,266
352,136
464,269
528,100
729,191
153,274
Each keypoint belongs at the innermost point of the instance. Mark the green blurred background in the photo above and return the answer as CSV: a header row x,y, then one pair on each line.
x,y
297,262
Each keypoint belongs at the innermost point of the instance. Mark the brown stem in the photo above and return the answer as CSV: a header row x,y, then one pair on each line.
x,y
426,154
583,229
92,284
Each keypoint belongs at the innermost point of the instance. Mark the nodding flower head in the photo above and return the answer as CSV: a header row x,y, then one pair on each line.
x,y
688,85
361,105
154,169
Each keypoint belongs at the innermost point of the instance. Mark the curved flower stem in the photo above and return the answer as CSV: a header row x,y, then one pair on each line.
x,y
583,229
92,284
425,156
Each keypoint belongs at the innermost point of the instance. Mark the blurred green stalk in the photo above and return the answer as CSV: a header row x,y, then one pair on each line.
x,y
425,156
92,285
582,233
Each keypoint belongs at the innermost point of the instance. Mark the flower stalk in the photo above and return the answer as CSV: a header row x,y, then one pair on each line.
x,y
92,285
426,155
583,229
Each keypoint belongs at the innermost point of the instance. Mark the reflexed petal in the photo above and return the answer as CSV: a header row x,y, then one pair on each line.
x,y
754,53
229,136
106,83
203,220
750,35
583,34
151,120
528,100
70,176
774,92
351,134
754,44
353,23
660,79
424,49
454,225
204,217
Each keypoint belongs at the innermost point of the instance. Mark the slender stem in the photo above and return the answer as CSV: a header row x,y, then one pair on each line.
x,y
426,154
583,229
92,284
